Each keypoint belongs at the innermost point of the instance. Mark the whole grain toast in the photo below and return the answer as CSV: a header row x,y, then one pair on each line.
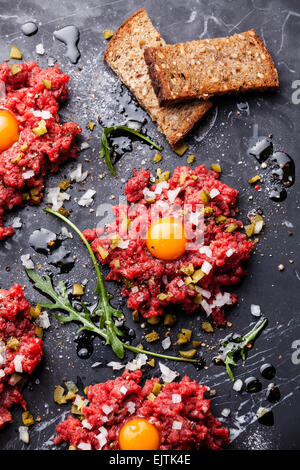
x,y
200,69
125,55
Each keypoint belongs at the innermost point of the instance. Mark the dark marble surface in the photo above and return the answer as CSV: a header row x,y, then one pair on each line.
x,y
95,91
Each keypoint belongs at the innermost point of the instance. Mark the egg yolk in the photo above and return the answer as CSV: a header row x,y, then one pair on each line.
x,y
139,434
9,129
166,239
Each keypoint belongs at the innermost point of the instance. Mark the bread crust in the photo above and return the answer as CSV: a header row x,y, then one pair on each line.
x,y
175,121
162,70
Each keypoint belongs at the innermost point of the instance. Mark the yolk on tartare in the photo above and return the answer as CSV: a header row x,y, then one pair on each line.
x,y
139,434
166,239
9,129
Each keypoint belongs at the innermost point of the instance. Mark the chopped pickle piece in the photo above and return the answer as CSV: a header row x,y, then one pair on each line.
x,y
153,320
27,418
15,68
197,299
71,386
34,312
194,177
206,326
18,158
64,184
15,53
188,280
135,316
169,320
197,276
63,212
216,167
181,148
72,448
13,343
208,210
78,289
188,354
188,270
151,396
231,228
254,179
151,337
156,388
205,197
221,219
151,363
108,33
103,253
47,84
184,336
24,147
39,332
182,178
162,296
91,125
76,410
41,129
196,344
58,395
157,158
257,218
190,159
116,263
114,241
162,176
140,346
70,395
34,192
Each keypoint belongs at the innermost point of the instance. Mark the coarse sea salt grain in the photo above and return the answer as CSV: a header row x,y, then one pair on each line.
x,y
16,223
206,307
86,424
27,262
116,365
176,398
131,407
24,434
101,439
84,446
177,425
173,193
18,363
2,373
39,49
237,386
225,412
43,320
28,174
77,174
160,186
107,409
166,343
137,362
214,192
255,310
205,250
230,252
87,198
123,390
42,114
167,374
206,267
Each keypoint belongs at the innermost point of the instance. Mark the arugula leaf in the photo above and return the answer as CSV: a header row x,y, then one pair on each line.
x,y
106,327
234,346
105,149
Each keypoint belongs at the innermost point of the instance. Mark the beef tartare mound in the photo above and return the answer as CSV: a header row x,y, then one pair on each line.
x,y
203,250
122,414
33,143
20,348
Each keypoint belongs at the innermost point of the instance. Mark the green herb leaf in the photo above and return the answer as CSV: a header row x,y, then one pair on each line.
x,y
60,301
105,150
232,348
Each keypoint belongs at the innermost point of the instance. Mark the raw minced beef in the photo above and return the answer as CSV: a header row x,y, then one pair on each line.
x,y
152,284
112,403
32,95
20,349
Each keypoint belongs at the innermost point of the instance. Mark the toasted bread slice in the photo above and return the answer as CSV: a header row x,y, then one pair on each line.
x,y
125,55
200,69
